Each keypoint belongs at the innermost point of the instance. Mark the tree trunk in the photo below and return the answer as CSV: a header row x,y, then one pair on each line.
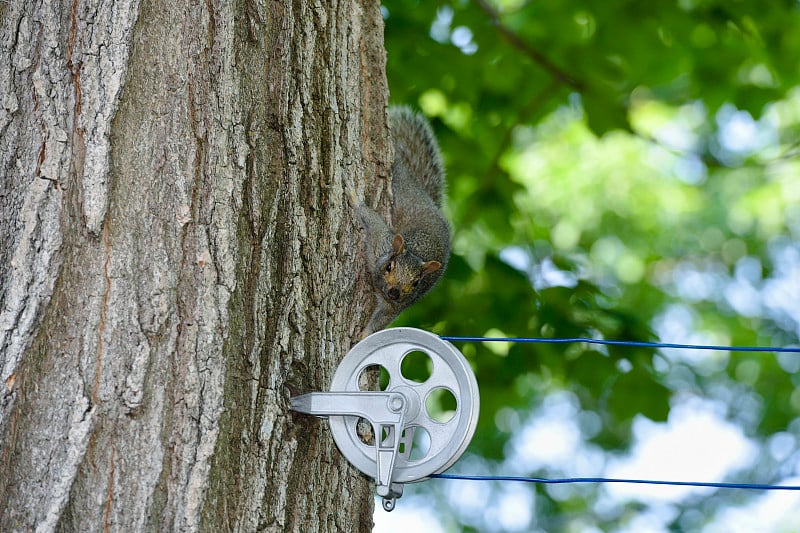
x,y
178,257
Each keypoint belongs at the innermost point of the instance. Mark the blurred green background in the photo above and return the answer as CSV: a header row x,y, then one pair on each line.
x,y
620,170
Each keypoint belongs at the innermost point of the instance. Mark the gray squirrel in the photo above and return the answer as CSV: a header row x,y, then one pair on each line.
x,y
407,256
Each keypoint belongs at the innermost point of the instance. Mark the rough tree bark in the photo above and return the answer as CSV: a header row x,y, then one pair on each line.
x,y
177,257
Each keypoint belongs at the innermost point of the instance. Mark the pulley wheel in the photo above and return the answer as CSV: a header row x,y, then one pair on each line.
x,y
430,443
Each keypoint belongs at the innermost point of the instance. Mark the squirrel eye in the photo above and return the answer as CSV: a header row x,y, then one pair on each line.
x,y
389,267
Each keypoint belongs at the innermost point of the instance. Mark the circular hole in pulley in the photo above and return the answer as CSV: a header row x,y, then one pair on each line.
x,y
441,405
416,366
373,378
365,432
420,443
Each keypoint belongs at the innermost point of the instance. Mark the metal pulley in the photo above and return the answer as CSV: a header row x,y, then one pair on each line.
x,y
395,435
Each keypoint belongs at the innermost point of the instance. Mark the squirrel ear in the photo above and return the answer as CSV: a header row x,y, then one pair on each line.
x,y
398,244
429,267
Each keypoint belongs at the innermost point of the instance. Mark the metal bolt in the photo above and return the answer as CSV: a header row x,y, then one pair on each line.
x,y
396,403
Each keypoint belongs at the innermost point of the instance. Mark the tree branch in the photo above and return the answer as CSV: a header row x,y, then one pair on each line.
x,y
539,58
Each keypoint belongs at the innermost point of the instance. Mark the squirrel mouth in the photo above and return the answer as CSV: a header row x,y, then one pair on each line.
x,y
393,293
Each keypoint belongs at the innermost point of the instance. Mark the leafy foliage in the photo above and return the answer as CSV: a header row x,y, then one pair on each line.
x,y
622,170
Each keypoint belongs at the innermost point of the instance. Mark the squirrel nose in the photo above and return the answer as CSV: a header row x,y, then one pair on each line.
x,y
394,293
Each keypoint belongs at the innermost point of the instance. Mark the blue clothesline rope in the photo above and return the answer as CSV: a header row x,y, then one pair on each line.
x,y
562,481
542,340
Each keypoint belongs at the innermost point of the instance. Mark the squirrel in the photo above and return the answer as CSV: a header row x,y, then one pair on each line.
x,y
407,256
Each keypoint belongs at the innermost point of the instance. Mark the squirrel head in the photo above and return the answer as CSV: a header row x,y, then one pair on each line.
x,y
403,273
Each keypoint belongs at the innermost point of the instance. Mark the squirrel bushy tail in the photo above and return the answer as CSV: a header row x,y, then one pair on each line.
x,y
407,256
416,152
